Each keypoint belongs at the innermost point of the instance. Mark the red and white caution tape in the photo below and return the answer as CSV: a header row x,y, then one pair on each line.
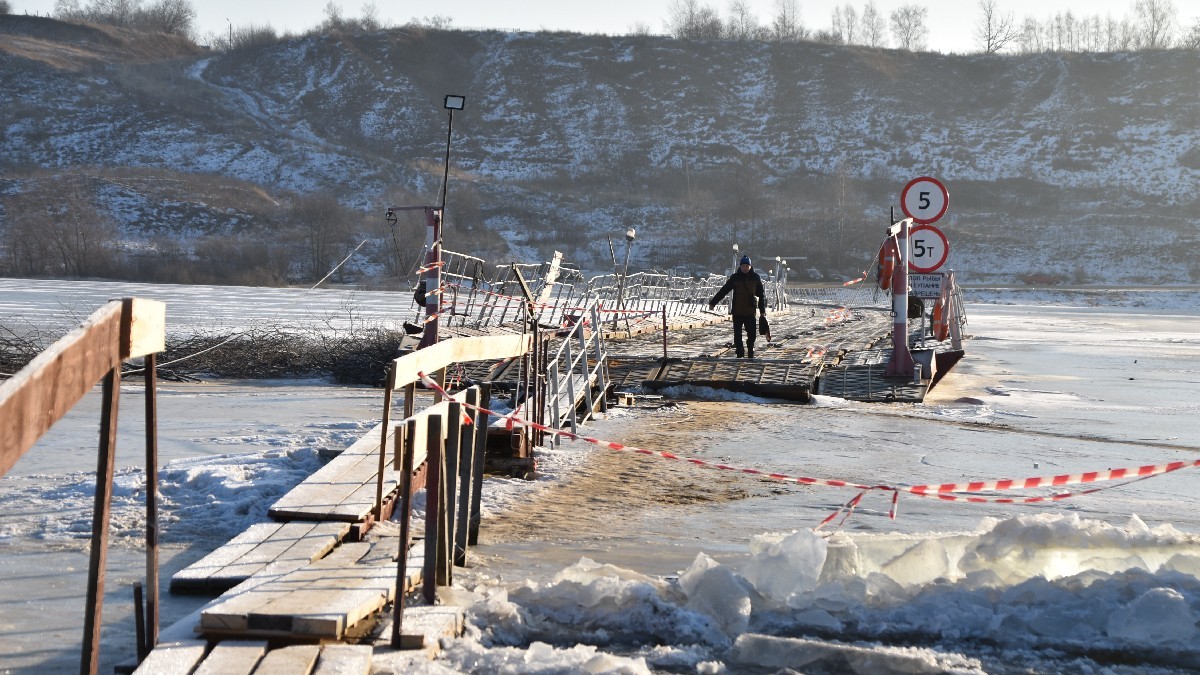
x,y
944,492
855,281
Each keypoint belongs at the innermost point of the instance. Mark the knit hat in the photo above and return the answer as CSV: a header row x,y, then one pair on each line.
x,y
745,260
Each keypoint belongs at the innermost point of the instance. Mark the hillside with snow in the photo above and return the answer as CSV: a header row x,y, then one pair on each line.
x,y
1064,168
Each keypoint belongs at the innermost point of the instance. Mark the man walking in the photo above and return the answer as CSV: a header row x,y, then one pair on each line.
x,y
747,293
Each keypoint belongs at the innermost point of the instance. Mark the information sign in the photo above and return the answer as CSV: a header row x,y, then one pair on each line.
x,y
926,286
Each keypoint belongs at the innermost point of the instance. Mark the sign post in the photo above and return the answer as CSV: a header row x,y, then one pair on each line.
x,y
924,200
901,362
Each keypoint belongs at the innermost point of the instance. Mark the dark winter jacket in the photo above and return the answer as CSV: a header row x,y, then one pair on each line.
x,y
746,287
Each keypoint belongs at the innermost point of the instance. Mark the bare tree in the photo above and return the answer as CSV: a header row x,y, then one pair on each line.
x,y
845,24
1156,21
323,230
786,26
333,17
874,30
1191,37
169,16
994,29
370,17
690,21
742,23
63,232
908,27
5,7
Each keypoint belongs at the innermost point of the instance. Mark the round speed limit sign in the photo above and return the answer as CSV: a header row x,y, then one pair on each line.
x,y
929,249
924,200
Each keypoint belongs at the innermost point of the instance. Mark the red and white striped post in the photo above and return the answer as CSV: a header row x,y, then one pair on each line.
x,y
433,275
901,361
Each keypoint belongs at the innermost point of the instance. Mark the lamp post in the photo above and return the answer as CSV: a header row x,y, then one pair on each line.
x,y
230,34
630,235
452,102
733,268
435,219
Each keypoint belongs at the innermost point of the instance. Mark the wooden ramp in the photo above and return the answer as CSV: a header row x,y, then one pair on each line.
x,y
784,379
268,548
861,377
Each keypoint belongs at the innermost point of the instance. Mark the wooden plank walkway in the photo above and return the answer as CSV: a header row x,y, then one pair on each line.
x,y
322,600
344,489
243,657
265,548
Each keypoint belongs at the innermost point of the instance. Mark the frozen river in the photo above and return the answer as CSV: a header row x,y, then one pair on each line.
x,y
1045,389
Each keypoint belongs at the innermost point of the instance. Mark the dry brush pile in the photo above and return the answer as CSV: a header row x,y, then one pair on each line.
x,y
358,356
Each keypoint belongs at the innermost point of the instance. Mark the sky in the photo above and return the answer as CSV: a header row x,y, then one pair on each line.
x,y
951,22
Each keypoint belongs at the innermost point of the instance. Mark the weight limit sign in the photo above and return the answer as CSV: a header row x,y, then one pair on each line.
x,y
929,248
925,200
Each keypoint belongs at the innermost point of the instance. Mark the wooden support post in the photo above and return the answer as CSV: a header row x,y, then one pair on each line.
x,y
454,429
406,471
433,496
387,412
101,514
664,313
139,622
152,595
410,404
466,468
481,429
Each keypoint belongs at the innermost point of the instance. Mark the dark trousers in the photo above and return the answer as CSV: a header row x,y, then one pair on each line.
x,y
746,322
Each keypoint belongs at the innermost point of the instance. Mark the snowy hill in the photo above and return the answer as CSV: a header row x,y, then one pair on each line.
x,y
1077,168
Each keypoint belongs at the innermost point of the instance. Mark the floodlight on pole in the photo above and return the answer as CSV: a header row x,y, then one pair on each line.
x,y
451,103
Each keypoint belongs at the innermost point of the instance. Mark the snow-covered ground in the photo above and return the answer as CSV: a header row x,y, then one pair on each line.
x,y
1052,384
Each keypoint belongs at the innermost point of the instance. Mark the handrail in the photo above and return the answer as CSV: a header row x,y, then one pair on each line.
x,y
567,364
48,386
44,391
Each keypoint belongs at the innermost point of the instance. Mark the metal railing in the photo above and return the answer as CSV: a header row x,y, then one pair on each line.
x,y
579,368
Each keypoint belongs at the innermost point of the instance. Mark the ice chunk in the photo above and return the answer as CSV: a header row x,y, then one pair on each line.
x,y
764,651
783,568
843,559
920,564
714,590
1184,563
1157,616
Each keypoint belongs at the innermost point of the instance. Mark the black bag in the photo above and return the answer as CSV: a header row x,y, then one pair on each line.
x,y
763,328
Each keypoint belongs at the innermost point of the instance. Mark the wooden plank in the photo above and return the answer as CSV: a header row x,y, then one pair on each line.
x,y
44,390
53,382
290,660
437,356
232,657
424,626
345,488
339,659
173,658
267,548
147,328
321,600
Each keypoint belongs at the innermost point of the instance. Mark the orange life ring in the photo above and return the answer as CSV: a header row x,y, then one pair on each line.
x,y
886,265
940,321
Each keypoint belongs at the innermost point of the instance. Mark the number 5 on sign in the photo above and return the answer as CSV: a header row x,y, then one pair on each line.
x,y
929,249
925,200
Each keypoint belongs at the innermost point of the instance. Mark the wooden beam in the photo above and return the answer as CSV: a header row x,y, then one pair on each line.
x,y
435,357
53,382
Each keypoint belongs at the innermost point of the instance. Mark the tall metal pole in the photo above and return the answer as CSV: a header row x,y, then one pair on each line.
x,y
446,174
